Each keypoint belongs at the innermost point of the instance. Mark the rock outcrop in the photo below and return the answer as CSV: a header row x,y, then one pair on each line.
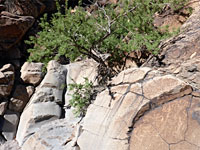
x,y
44,105
110,121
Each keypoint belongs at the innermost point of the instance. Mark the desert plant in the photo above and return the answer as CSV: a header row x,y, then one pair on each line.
x,y
81,97
102,31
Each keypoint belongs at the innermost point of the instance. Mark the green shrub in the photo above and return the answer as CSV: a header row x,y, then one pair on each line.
x,y
102,31
81,97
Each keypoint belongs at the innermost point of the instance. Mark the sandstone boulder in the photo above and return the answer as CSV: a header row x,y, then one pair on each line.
x,y
13,28
32,73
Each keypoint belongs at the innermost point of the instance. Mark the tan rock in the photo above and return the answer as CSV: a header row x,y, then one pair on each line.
x,y
7,77
183,146
32,73
131,75
192,134
146,137
161,85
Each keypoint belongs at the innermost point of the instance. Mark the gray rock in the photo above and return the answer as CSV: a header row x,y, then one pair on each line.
x,y
10,145
43,106
10,124
51,136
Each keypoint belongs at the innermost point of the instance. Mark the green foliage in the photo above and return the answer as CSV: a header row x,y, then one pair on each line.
x,y
81,97
100,32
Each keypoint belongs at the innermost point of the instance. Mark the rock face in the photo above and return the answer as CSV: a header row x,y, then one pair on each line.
x,y
109,122
44,104
12,28
180,55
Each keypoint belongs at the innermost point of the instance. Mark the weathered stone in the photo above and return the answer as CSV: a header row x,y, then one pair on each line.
x,y
126,76
112,115
25,8
19,99
34,116
192,134
7,67
53,135
161,85
12,28
44,104
7,76
10,145
30,90
32,73
183,145
10,125
3,106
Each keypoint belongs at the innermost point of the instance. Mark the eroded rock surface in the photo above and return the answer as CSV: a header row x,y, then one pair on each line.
x,y
44,105
110,120
32,73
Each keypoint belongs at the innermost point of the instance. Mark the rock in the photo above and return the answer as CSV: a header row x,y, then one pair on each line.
x,y
180,54
151,132
43,106
31,73
3,106
7,77
10,125
25,8
2,7
2,141
13,28
110,120
56,134
10,145
35,115
19,99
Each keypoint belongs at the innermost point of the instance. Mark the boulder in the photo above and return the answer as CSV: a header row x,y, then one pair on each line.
x,y
31,73
110,122
7,77
56,134
20,98
10,124
44,105
13,28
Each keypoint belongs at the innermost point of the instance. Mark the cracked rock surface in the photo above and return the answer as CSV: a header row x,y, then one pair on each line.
x,y
148,112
